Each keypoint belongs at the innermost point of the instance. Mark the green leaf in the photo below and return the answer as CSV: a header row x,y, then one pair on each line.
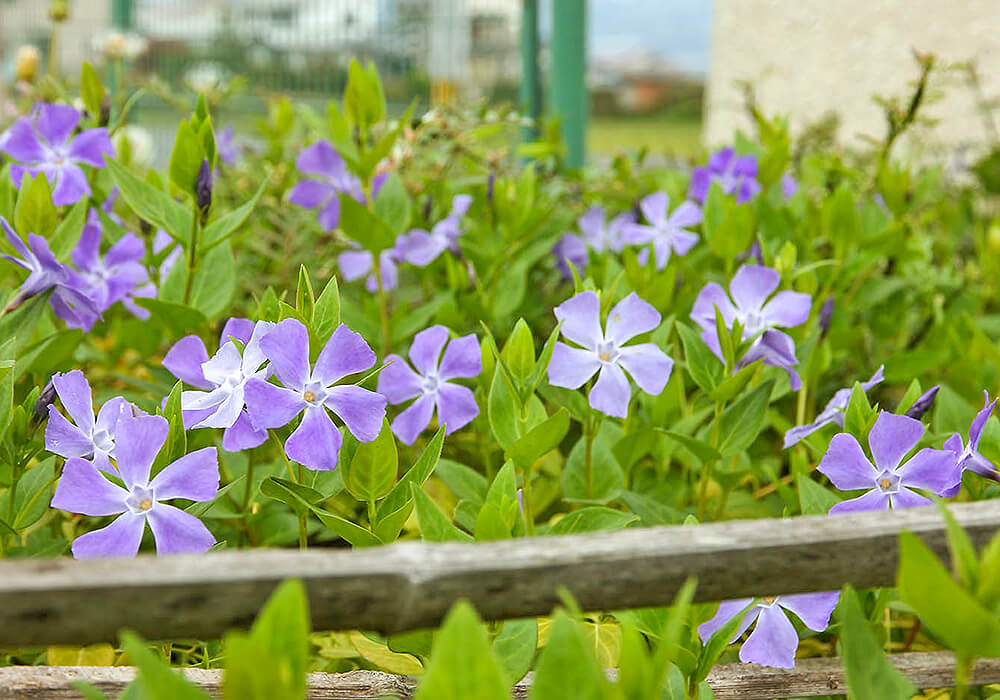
x,y
301,498
186,158
67,233
226,225
462,664
501,410
858,415
949,611
434,525
519,351
813,498
305,300
157,680
704,367
351,532
650,511
326,317
466,483
515,647
34,492
566,667
180,319
963,554
732,385
372,472
868,672
607,478
592,519
151,204
742,422
388,526
392,205
702,451
540,440
214,281
34,212
176,445
490,524
362,226
416,475
542,366
91,90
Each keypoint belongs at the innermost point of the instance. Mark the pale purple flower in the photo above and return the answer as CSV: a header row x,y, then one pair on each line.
x,y
120,276
431,384
735,174
222,380
668,234
69,299
789,186
570,249
833,412
967,456
601,235
750,288
774,640
420,247
890,481
43,142
161,241
316,442
88,437
572,367
323,161
357,263
226,146
83,489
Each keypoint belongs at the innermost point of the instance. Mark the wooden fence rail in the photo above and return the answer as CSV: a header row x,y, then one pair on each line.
x,y
810,678
411,585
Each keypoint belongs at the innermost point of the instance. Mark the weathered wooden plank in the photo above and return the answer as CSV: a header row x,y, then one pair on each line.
x,y
410,585
810,678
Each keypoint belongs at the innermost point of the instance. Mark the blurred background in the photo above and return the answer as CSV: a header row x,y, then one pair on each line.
x,y
670,75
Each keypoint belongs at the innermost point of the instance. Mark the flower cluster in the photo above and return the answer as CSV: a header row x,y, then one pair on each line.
x,y
734,174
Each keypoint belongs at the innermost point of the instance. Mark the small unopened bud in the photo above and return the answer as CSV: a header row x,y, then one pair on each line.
x,y
427,208
26,63
490,181
105,116
59,10
145,227
203,190
45,399
754,252
825,316
923,404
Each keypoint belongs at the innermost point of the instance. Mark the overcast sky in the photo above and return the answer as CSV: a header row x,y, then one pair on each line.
x,y
679,30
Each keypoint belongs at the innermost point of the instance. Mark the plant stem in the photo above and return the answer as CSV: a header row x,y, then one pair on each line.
x,y
371,514
383,307
303,530
706,468
963,674
193,254
588,436
529,517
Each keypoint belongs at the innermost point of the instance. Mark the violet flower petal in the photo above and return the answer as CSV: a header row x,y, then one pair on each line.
x,y
70,186
354,264
727,610
287,347
64,438
426,349
581,317
242,435
570,368
83,489
773,641
321,159
930,469
74,392
648,366
905,498
271,406
814,609
462,359
456,406
873,500
345,353
611,393
90,146
55,122
177,532
630,317
311,194
892,437
787,309
361,410
397,382
195,476
846,465
408,425
184,360
22,144
752,285
119,539
316,442
137,442
654,207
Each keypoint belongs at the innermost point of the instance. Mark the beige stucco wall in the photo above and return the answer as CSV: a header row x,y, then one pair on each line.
x,y
810,56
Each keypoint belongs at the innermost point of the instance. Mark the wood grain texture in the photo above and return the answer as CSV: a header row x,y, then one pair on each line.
x,y
411,585
811,678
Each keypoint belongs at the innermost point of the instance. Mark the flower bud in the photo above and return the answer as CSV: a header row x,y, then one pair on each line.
x,y
923,404
489,187
26,62
45,399
825,316
203,190
59,10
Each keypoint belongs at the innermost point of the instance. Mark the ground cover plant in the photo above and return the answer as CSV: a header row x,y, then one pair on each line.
x,y
353,327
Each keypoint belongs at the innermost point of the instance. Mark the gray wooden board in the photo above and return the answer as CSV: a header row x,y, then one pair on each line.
x,y
411,585
810,678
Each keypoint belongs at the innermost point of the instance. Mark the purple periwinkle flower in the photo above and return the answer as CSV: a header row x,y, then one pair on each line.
x,y
222,381
323,161
923,403
667,233
420,247
570,249
750,288
826,316
88,437
833,412
43,142
161,242
69,297
226,146
431,383
890,481
316,441
602,235
357,263
774,640
120,276
789,186
967,456
572,367
83,489
735,174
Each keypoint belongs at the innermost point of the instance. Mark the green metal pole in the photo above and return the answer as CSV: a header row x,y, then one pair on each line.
x,y
569,62
530,94
121,13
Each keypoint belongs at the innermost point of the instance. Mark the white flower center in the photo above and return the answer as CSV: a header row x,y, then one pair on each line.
x,y
314,393
607,352
102,440
431,384
887,482
141,500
